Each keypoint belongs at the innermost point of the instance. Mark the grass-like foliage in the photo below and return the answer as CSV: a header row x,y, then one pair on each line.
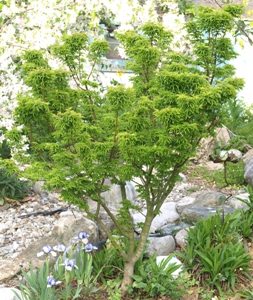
x,y
215,253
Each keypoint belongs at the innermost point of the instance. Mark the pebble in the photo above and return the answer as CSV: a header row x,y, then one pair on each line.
x,y
16,234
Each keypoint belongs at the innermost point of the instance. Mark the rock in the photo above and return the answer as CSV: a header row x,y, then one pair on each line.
x,y
248,171
8,294
180,238
9,269
211,166
164,245
69,226
172,228
38,187
3,228
207,198
211,198
206,146
66,228
237,155
237,204
185,202
222,136
192,214
247,155
113,197
168,215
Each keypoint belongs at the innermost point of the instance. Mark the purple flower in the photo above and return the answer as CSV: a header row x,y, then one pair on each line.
x,y
89,247
60,248
83,236
51,281
69,264
46,250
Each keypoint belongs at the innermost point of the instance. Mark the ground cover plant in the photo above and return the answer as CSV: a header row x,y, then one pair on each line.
x,y
215,254
80,135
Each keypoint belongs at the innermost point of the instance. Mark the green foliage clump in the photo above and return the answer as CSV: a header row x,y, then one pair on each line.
x,y
215,252
157,279
11,187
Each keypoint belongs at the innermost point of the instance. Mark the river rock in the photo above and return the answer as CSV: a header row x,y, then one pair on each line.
x,y
164,245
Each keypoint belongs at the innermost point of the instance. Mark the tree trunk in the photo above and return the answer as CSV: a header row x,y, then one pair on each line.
x,y
128,272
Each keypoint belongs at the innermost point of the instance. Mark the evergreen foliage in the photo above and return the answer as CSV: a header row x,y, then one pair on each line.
x,y
81,136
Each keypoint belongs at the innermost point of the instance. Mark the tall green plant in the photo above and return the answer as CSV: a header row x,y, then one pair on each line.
x,y
81,136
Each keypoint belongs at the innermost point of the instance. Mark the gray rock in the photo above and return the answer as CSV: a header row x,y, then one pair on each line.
x,y
180,238
38,187
113,197
237,204
168,215
8,294
161,245
211,198
207,198
248,171
68,227
185,202
193,214
172,228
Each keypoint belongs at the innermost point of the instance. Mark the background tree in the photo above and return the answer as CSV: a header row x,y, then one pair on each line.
x,y
79,137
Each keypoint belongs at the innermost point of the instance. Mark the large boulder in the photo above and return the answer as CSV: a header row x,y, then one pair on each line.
x,y
168,215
